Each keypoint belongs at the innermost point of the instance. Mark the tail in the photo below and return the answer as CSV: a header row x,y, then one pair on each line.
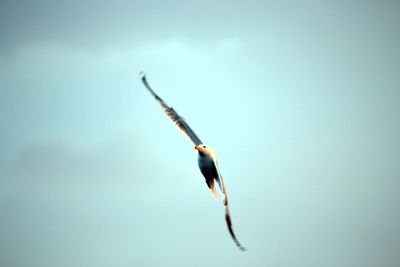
x,y
213,190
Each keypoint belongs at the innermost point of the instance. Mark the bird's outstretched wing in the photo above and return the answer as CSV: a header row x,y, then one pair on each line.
x,y
178,120
227,212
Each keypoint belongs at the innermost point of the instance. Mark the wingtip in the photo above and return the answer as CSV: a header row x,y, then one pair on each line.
x,y
241,247
142,75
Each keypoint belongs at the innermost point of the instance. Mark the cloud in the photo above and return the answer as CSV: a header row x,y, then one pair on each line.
x,y
66,203
61,165
54,59
54,191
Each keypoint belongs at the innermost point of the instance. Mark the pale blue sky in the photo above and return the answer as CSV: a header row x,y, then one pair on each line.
x,y
300,100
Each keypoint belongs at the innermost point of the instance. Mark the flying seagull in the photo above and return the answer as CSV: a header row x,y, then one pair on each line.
x,y
207,159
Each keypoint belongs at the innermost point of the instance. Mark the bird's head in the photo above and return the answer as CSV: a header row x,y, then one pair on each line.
x,y
205,150
201,148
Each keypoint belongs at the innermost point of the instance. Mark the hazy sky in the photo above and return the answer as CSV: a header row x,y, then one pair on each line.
x,y
300,100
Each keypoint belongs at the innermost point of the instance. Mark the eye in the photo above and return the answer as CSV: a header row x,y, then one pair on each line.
x,y
204,146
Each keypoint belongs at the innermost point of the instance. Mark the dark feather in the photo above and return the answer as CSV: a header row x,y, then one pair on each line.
x,y
174,116
227,212
214,173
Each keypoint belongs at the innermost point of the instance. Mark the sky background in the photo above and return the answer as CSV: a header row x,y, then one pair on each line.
x,y
299,99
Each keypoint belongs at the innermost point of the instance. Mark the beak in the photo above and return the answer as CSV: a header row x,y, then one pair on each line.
x,y
197,147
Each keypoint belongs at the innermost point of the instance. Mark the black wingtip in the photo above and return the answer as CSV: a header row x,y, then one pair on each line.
x,y
241,247
230,229
142,75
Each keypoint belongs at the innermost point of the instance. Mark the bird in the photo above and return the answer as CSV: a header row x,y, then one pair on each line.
x,y
207,159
